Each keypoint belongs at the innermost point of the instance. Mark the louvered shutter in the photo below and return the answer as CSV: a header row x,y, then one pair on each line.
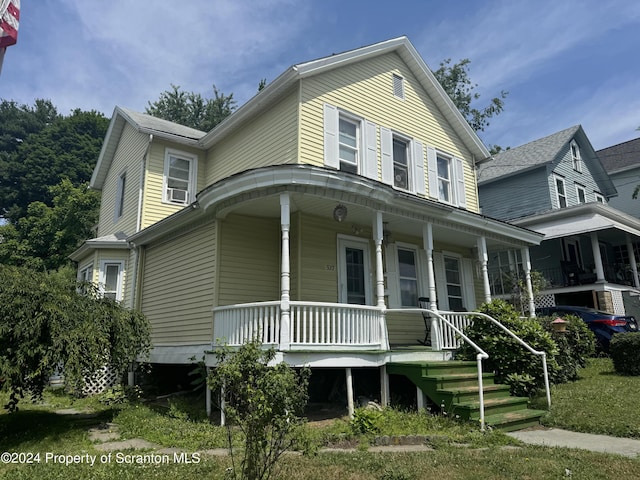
x,y
386,146
331,137
371,151
432,170
393,281
461,196
418,170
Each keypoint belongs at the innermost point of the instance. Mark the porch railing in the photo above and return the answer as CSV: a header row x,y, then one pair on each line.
x,y
311,325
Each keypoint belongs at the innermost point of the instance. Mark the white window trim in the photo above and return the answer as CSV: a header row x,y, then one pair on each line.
x,y
419,286
409,147
193,175
557,178
102,275
120,192
599,197
359,138
456,180
82,273
576,160
415,161
345,241
580,188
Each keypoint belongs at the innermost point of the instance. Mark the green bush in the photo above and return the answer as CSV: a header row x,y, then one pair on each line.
x,y
511,363
625,353
575,346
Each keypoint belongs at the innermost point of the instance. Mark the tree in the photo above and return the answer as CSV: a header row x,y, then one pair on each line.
x,y
263,402
455,81
64,147
46,236
191,109
45,323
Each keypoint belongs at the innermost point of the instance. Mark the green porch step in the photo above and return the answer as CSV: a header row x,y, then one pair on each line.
x,y
454,386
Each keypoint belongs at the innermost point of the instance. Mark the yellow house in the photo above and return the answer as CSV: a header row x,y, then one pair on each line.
x,y
315,218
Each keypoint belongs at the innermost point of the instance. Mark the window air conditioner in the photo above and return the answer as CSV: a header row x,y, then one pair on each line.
x,y
177,195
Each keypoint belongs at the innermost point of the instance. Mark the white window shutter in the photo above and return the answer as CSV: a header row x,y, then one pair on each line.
x,y
371,151
461,196
386,145
432,166
418,170
331,137
441,281
422,273
393,281
469,290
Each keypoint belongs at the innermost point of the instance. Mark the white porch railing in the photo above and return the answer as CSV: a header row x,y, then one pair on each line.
x,y
311,325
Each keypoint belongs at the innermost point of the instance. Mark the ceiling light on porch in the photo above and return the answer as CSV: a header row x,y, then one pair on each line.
x,y
339,213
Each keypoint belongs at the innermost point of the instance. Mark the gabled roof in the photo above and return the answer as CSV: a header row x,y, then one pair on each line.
x,y
540,153
114,241
401,45
620,157
143,123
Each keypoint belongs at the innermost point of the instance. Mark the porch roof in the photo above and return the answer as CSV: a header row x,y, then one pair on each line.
x,y
115,241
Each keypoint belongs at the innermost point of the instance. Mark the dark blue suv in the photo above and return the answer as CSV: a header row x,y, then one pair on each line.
x,y
604,325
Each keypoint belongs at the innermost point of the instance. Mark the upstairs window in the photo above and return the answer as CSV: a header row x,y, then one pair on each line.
x,y
575,156
400,163
560,192
581,194
348,144
444,179
600,198
122,180
179,177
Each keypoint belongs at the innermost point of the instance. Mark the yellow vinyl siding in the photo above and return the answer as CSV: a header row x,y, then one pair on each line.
x,y
178,287
365,89
128,157
268,139
249,260
154,209
405,328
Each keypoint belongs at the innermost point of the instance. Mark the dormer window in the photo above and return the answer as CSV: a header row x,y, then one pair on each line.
x,y
575,156
179,177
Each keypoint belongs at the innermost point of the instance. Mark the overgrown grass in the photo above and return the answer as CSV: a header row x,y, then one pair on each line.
x,y
601,401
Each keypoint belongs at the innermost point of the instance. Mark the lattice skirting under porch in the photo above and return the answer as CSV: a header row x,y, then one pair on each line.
x,y
545,301
100,381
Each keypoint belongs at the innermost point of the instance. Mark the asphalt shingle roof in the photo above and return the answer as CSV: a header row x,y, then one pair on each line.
x,y
620,156
148,122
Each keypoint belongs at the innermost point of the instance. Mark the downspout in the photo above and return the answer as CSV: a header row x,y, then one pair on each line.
x,y
143,169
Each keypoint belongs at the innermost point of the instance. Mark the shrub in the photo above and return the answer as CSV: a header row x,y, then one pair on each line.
x,y
575,346
365,421
625,353
511,363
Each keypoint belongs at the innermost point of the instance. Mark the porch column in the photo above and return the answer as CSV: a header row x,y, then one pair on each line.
x,y
427,240
349,379
384,386
632,262
526,263
483,258
377,238
595,247
285,272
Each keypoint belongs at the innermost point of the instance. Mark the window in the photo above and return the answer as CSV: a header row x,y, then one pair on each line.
x,y
179,177
575,156
86,274
599,198
408,275
454,283
398,86
111,280
122,179
348,144
560,192
444,179
400,163
581,194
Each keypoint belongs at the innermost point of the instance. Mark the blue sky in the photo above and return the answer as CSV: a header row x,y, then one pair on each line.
x,y
562,62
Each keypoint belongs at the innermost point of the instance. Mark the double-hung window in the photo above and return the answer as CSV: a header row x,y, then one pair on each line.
x,y
348,144
401,163
561,192
581,194
575,156
111,280
122,179
444,179
599,198
454,283
408,276
179,177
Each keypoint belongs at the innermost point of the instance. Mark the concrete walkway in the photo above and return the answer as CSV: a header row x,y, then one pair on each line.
x,y
554,437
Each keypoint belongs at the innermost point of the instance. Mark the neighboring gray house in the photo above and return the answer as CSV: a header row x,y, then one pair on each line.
x,y
622,163
557,186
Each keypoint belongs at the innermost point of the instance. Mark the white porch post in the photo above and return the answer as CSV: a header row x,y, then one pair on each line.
x,y
483,258
427,241
420,400
207,399
632,262
377,238
349,379
384,386
595,247
285,272
526,263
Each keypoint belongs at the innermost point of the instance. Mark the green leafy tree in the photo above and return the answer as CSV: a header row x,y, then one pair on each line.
x,y
263,403
192,109
47,235
46,323
65,147
456,82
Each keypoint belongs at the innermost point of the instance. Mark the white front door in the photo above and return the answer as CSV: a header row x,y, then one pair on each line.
x,y
354,271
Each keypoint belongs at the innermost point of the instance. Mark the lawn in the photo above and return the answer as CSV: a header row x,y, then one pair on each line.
x,y
460,451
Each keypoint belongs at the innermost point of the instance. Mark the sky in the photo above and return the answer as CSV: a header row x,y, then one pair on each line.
x,y
562,62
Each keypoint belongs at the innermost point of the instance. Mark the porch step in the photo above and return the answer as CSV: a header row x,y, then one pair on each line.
x,y
453,385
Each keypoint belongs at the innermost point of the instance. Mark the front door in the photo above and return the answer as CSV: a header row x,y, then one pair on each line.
x,y
354,273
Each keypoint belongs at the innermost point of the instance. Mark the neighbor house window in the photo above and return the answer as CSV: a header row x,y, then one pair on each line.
x,y
111,280
179,177
408,275
454,283
122,179
560,192
599,198
400,163
581,194
444,179
398,86
348,144
575,156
